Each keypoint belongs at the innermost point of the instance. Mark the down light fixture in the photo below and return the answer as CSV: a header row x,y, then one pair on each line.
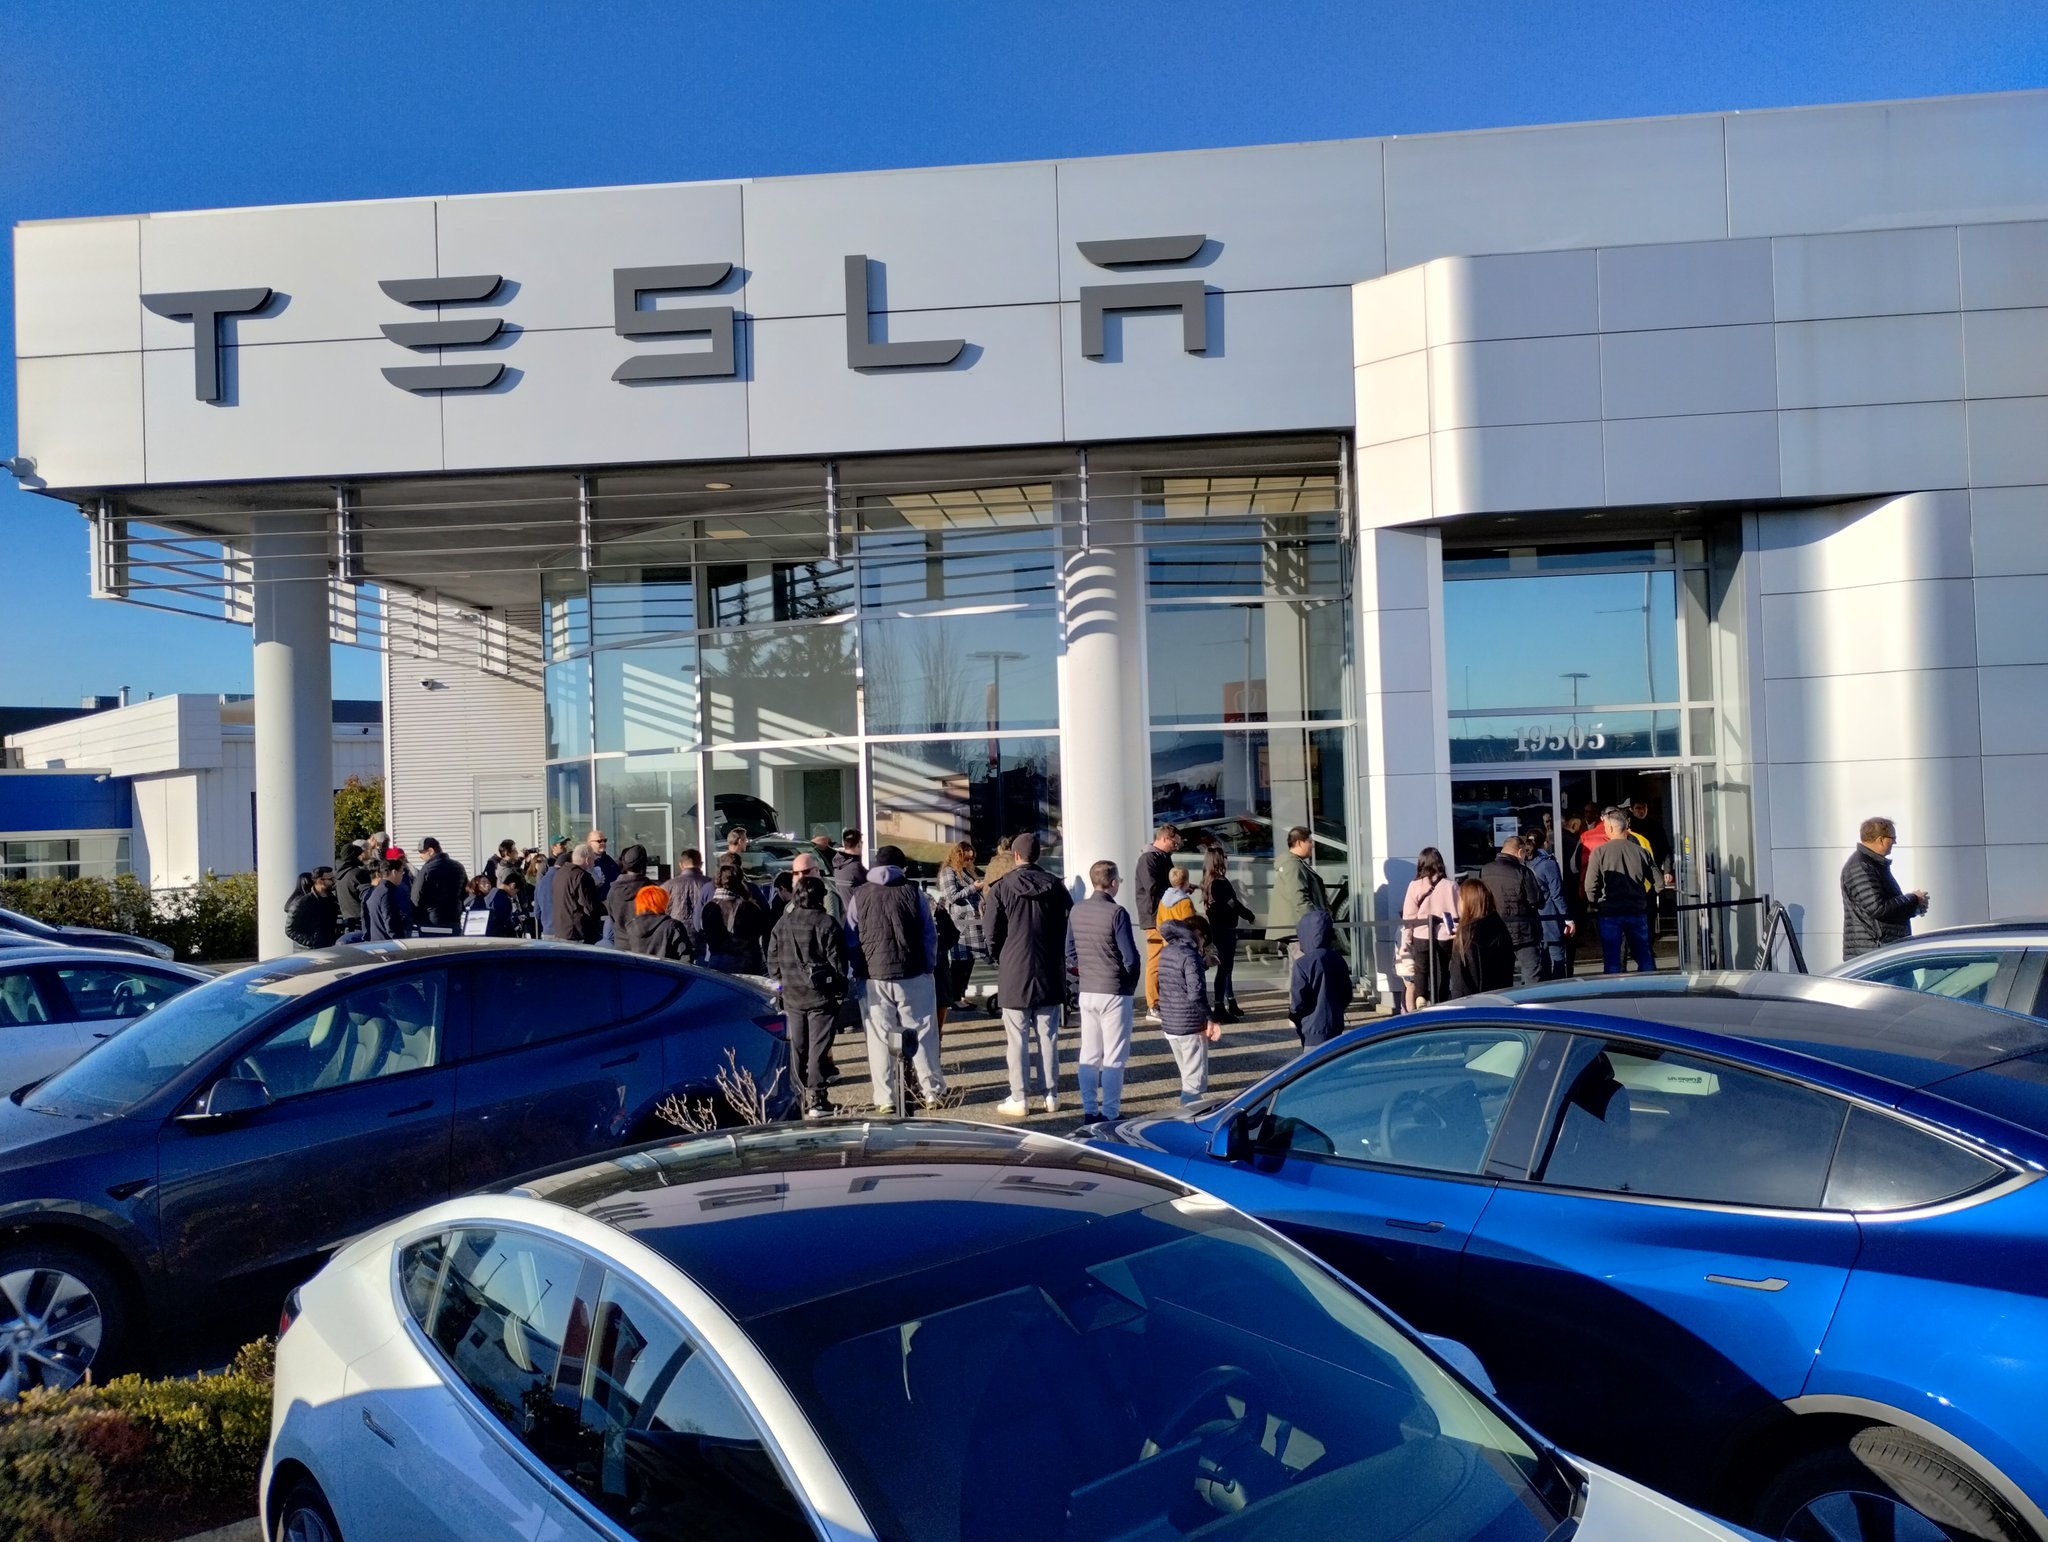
x,y
718,487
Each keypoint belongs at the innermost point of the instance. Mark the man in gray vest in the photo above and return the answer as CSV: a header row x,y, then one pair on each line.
x,y
895,946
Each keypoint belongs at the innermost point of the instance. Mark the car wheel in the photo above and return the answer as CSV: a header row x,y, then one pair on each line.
x,y
305,1517
62,1313
1887,1484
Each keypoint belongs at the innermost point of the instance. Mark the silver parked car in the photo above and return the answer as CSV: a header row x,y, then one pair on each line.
x,y
1994,963
57,1003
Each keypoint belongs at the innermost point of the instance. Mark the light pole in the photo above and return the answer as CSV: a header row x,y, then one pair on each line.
x,y
996,657
1575,676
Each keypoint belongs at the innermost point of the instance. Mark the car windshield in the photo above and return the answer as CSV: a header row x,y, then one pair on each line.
x,y
127,1068
1173,1371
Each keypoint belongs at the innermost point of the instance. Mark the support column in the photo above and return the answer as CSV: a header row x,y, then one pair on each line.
x,y
1105,745
294,714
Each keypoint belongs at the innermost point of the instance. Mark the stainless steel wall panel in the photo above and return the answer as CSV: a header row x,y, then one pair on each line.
x,y
1693,284
2009,442
1869,273
1536,294
1389,316
81,417
2014,701
1865,359
75,288
1393,398
1845,451
1827,631
1515,380
1545,466
2012,620
2009,530
2005,353
1690,370
1871,541
1713,458
2005,265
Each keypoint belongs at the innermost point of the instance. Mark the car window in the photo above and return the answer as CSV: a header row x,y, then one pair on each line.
x,y
378,1031
1887,1164
99,992
522,1001
662,1445
1960,976
1429,1100
419,1277
22,1001
642,990
1636,1119
506,1310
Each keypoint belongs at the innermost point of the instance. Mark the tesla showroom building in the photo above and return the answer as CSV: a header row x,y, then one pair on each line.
x,y
1399,488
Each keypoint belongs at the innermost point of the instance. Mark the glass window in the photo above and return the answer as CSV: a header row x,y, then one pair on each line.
x,y
1242,789
663,1447
382,1030
1587,639
1487,562
748,593
1885,1164
957,546
1960,976
631,602
930,795
650,801
646,697
419,1277
566,686
140,1060
520,1001
953,674
570,810
1228,1381
791,683
1639,1120
1247,534
23,1002
794,791
1423,1100
1589,735
565,613
507,1308
102,991
1280,661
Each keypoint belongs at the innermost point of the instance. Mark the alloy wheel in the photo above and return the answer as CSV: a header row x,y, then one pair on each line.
x,y
303,1523
50,1326
1855,1516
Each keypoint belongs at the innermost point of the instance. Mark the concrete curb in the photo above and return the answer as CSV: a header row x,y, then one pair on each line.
x,y
250,1530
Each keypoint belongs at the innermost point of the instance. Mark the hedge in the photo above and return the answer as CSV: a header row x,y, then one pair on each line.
x,y
134,1457
213,920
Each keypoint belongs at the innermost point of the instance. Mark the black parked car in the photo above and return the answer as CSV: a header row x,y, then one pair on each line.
x,y
161,1194
51,935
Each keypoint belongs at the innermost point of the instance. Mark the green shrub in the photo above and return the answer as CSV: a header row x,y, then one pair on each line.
x,y
75,1465
215,919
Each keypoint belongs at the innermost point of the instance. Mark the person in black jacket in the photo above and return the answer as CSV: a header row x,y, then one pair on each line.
x,y
387,909
1482,955
351,882
1319,983
618,899
1875,910
1154,863
895,950
438,890
1518,901
1184,1013
578,908
734,924
1026,913
1225,912
807,953
849,870
1104,955
650,930
313,914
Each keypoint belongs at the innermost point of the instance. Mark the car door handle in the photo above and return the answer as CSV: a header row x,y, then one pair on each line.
x,y
107,1035
1772,1283
411,1108
378,1430
1400,1225
625,1059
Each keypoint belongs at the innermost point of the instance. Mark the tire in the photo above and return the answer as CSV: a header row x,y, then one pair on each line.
x,y
63,1314
1885,1483
304,1516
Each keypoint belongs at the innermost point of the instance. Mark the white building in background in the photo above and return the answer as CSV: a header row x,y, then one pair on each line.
x,y
188,763
1401,488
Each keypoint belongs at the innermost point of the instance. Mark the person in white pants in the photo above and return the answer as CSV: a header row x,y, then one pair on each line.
x,y
1102,950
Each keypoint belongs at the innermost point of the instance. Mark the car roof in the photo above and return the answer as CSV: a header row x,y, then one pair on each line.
x,y
316,968
103,958
856,1201
1900,1036
2014,929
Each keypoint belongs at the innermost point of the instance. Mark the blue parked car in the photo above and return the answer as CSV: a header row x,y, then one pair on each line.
x,y
1776,1245
161,1194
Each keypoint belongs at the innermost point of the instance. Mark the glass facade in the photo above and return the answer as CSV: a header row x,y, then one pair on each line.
x,y
87,854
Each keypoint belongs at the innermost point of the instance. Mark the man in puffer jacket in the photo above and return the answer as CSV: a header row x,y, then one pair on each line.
x,y
1184,1013
1027,929
1875,910
807,953
1319,984
1104,956
890,923
618,899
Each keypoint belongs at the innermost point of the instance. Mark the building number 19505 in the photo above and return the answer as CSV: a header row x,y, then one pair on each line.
x,y
1534,741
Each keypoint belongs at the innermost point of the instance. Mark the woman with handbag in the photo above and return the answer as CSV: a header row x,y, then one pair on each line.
x,y
1225,912
1429,917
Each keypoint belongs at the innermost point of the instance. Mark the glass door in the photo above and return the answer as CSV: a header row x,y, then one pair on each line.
x,y
1486,812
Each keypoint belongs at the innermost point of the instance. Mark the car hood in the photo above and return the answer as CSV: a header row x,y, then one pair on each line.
x,y
29,1140
1618,1510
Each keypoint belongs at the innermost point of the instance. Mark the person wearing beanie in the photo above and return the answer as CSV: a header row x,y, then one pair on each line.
x,y
1027,931
896,948
648,929
807,953
618,899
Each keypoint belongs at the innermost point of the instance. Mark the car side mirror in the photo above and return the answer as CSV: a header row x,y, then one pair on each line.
x,y
1460,1358
229,1098
1232,1141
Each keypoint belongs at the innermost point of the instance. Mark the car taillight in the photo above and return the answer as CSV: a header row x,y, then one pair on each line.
x,y
290,1314
774,1023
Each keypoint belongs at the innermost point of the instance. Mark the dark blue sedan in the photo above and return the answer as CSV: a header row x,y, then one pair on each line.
x,y
1776,1245
159,1196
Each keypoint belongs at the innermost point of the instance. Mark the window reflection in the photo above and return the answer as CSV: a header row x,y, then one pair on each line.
x,y
782,794
792,683
646,697
947,674
1278,661
650,801
932,794
567,691
1570,640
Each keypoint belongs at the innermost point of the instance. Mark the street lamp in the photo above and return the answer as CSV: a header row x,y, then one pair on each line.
x,y
1575,676
996,657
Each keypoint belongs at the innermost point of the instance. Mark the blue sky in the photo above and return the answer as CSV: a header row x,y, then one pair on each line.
x,y
123,106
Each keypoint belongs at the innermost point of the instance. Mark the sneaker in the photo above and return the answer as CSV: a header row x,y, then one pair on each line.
x,y
1015,1108
1052,1104
1089,1116
818,1111
1152,1019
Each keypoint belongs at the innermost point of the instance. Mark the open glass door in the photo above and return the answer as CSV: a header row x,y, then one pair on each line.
x,y
1703,935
